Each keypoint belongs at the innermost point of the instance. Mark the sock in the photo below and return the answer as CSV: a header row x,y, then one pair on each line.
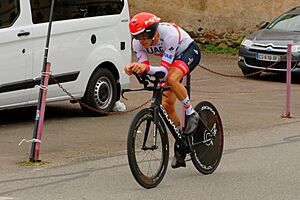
x,y
187,105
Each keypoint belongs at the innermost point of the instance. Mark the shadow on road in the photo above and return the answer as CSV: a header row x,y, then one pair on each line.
x,y
27,114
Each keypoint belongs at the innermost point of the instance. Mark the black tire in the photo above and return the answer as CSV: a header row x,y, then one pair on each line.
x,y
251,72
101,92
148,166
207,156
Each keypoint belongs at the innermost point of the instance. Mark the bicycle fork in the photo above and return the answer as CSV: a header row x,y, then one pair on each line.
x,y
154,131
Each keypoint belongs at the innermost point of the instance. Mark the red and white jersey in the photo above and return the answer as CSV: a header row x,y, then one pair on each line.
x,y
172,42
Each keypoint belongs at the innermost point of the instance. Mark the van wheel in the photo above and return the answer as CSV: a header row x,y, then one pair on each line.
x,y
101,92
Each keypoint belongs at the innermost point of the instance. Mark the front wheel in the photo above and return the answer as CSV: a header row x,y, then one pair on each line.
x,y
208,151
147,150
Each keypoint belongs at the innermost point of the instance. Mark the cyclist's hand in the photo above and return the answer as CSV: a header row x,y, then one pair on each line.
x,y
139,68
128,69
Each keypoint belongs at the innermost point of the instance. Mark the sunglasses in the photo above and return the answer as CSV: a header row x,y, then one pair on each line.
x,y
142,36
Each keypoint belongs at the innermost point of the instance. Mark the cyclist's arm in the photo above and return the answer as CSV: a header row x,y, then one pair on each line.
x,y
140,52
151,70
143,61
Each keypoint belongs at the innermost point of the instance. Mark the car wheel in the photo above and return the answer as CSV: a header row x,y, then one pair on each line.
x,y
251,72
101,92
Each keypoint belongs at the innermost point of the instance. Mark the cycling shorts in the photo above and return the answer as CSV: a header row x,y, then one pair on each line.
x,y
188,60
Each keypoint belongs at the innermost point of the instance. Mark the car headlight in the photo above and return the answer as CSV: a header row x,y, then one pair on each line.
x,y
296,48
247,42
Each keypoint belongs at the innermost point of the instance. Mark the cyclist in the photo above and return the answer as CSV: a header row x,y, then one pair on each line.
x,y
180,55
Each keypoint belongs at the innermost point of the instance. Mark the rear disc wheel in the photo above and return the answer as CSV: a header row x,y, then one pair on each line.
x,y
207,155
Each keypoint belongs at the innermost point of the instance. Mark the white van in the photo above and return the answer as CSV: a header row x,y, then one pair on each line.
x,y
90,45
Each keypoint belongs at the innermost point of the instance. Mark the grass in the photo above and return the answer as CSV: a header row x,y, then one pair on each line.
x,y
30,163
220,50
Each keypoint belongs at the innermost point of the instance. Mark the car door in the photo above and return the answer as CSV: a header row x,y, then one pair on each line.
x,y
15,53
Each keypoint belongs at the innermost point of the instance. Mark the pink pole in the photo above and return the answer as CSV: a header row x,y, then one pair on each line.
x,y
288,81
42,112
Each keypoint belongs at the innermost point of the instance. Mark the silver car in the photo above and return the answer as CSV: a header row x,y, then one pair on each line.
x,y
266,49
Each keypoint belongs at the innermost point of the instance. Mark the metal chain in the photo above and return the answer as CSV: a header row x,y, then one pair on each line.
x,y
142,105
240,76
94,109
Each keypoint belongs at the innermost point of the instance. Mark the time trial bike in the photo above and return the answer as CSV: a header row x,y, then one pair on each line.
x,y
148,143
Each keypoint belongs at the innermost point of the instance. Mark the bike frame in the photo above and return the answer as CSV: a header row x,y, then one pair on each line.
x,y
158,110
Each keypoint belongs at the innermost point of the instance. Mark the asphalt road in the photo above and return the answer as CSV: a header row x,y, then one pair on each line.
x,y
87,155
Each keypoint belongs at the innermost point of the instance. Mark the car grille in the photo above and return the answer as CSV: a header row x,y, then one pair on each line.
x,y
264,64
267,52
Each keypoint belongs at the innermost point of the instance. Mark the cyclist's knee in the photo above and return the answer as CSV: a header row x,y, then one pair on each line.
x,y
171,80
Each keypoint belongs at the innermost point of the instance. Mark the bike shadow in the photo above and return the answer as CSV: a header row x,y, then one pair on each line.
x,y
53,111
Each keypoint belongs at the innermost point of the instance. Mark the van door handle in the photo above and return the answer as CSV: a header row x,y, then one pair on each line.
x,y
23,33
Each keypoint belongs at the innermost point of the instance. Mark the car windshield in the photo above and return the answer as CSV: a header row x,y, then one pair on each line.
x,y
287,22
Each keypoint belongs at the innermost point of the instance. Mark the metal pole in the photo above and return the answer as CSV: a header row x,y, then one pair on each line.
x,y
288,82
37,133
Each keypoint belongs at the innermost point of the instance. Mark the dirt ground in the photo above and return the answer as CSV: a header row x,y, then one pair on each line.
x,y
68,136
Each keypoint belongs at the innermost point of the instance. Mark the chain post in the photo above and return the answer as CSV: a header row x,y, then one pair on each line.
x,y
288,82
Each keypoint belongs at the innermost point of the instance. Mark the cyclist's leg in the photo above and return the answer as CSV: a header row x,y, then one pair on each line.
x,y
173,79
168,103
175,74
182,65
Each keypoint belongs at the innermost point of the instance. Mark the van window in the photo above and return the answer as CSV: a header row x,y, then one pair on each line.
x,y
72,9
9,12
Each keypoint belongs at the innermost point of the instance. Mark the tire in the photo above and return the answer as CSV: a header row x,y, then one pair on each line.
x,y
148,166
101,92
248,72
207,156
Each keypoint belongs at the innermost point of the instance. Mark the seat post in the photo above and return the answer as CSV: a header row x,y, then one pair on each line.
x,y
187,84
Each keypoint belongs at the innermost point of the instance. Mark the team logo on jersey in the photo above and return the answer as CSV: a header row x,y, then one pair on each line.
x,y
171,49
155,50
196,51
168,56
190,61
139,58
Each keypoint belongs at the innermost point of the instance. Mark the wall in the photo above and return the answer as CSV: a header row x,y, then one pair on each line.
x,y
219,15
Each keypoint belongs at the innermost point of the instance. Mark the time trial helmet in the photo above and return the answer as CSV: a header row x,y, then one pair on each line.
x,y
143,25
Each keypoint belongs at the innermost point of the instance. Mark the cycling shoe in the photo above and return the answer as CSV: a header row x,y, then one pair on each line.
x,y
192,123
178,161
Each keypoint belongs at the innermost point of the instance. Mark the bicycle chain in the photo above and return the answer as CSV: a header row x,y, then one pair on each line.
x,y
93,109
